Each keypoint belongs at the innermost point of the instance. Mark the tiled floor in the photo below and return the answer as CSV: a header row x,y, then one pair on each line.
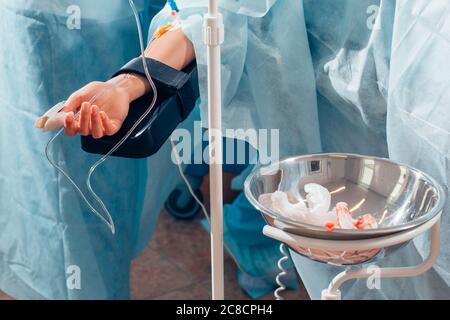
x,y
176,263
4,296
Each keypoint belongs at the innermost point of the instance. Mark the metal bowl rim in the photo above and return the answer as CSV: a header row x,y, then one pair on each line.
x,y
366,232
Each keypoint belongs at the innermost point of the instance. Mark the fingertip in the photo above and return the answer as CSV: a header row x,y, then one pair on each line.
x,y
68,120
94,111
97,127
72,103
86,107
85,119
107,125
70,130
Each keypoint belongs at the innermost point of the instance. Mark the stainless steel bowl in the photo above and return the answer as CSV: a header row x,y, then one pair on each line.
x,y
398,196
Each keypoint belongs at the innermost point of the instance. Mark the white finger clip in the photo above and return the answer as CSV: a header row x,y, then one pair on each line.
x,y
53,119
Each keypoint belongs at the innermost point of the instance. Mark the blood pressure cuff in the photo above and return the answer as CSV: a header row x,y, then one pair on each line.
x,y
177,95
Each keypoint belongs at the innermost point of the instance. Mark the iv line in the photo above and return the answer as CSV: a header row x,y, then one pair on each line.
x,y
108,219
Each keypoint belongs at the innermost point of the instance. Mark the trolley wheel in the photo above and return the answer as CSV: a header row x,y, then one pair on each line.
x,y
184,211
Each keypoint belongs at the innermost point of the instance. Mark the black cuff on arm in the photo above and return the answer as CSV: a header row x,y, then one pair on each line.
x,y
168,81
177,96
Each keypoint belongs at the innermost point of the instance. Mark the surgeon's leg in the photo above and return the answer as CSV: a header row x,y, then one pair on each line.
x,y
255,254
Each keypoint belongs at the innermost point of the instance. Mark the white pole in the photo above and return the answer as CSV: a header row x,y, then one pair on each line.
x,y
213,37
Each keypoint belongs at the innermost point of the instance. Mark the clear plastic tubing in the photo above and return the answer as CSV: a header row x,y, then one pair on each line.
x,y
106,216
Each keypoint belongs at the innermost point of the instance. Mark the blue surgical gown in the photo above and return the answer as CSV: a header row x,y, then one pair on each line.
x,y
360,76
383,91
260,74
46,231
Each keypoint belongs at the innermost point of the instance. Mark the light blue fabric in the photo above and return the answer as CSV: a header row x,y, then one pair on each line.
x,y
44,226
382,92
257,255
318,70
251,8
418,121
259,68
379,70
351,62
255,56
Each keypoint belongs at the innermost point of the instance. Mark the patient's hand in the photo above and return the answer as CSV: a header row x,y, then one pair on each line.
x,y
108,112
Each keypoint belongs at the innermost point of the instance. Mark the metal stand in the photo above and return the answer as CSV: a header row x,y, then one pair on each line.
x,y
214,37
333,292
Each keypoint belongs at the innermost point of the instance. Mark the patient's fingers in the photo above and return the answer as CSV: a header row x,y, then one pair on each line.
x,y
70,125
73,103
108,125
96,122
85,118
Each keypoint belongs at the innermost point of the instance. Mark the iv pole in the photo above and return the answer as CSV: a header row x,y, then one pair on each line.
x,y
213,36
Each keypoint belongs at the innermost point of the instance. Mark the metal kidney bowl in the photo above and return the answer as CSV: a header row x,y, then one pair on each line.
x,y
398,196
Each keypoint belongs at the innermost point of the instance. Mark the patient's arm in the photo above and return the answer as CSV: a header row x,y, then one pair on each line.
x,y
107,114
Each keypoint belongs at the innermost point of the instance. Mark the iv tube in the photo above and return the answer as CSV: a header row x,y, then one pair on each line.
x,y
106,218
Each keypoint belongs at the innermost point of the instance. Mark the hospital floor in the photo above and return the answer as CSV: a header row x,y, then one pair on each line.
x,y
176,264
